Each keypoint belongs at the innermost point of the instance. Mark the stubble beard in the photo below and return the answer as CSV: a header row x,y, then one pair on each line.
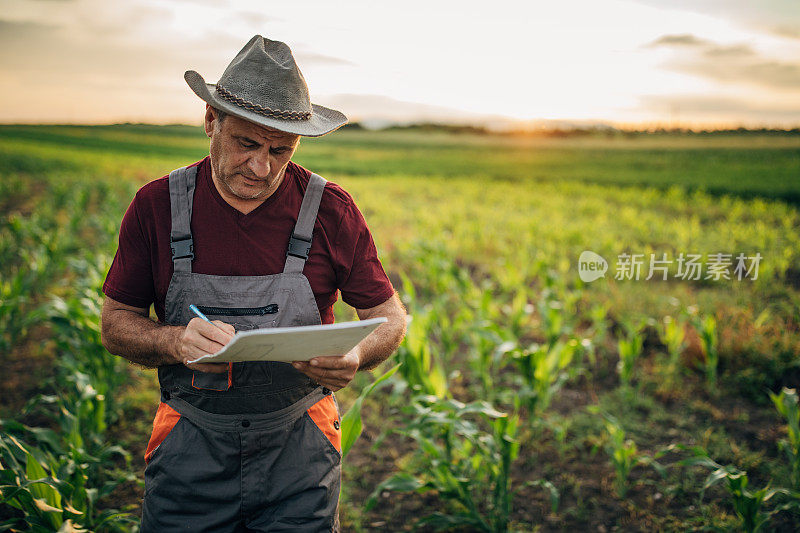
x,y
226,182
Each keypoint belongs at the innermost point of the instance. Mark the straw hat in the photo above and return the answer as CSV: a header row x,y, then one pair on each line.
x,y
264,85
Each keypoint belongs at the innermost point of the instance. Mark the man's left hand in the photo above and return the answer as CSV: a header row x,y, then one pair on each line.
x,y
333,372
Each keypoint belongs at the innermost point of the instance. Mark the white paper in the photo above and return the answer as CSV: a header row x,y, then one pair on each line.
x,y
299,343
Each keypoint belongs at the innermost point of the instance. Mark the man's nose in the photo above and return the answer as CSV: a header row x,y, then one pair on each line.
x,y
259,164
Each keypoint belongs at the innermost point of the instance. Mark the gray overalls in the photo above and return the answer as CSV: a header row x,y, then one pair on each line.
x,y
256,448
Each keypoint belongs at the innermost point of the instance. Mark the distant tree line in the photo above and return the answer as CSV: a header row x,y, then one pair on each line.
x,y
594,131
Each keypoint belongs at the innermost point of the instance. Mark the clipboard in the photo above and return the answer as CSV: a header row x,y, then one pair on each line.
x,y
298,343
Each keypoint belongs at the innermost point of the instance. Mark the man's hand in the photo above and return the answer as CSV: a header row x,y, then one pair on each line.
x,y
129,331
201,338
336,372
333,372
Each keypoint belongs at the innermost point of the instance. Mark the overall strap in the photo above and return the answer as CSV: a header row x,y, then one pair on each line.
x,y
181,196
300,243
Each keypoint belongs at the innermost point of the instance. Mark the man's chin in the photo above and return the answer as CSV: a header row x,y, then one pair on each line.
x,y
245,192
248,195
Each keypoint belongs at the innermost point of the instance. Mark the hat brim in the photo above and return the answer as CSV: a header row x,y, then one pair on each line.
x,y
323,120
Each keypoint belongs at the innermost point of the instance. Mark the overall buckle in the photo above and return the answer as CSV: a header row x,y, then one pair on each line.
x,y
182,248
299,247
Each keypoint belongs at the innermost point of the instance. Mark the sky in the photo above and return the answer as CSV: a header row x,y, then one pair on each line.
x,y
672,63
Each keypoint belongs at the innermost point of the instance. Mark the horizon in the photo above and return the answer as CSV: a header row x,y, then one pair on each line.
x,y
477,128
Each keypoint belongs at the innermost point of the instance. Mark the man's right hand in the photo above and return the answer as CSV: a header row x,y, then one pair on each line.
x,y
201,338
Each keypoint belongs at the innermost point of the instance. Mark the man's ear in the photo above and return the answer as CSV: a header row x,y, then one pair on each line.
x,y
210,120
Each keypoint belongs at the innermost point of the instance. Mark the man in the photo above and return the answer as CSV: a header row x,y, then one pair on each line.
x,y
253,240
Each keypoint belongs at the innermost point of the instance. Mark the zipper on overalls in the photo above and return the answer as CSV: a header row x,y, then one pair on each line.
x,y
239,311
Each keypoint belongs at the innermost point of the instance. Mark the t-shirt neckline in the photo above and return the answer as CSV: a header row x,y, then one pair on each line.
x,y
242,218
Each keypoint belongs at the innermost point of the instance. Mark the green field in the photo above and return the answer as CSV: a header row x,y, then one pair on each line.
x,y
527,400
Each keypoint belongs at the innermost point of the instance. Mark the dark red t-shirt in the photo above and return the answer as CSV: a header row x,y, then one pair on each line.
x,y
229,243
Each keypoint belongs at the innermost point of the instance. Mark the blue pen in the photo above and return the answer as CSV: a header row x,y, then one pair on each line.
x,y
199,313
196,311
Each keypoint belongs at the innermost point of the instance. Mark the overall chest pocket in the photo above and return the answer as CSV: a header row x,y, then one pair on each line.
x,y
242,374
252,373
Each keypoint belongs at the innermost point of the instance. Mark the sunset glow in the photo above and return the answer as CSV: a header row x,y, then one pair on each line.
x,y
618,62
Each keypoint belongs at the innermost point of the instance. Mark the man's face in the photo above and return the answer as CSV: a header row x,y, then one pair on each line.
x,y
247,160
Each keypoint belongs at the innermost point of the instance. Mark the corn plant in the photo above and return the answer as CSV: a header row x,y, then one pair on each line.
x,y
624,455
81,415
39,249
518,313
32,261
707,327
543,370
452,328
598,314
351,421
53,486
672,334
86,377
58,482
630,348
488,352
75,321
13,188
484,342
27,487
468,467
749,504
557,309
420,368
787,405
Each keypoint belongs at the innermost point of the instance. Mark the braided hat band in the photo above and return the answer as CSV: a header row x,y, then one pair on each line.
x,y
261,110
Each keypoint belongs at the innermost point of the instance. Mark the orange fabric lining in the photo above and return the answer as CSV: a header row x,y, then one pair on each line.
x,y
230,379
166,418
324,414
